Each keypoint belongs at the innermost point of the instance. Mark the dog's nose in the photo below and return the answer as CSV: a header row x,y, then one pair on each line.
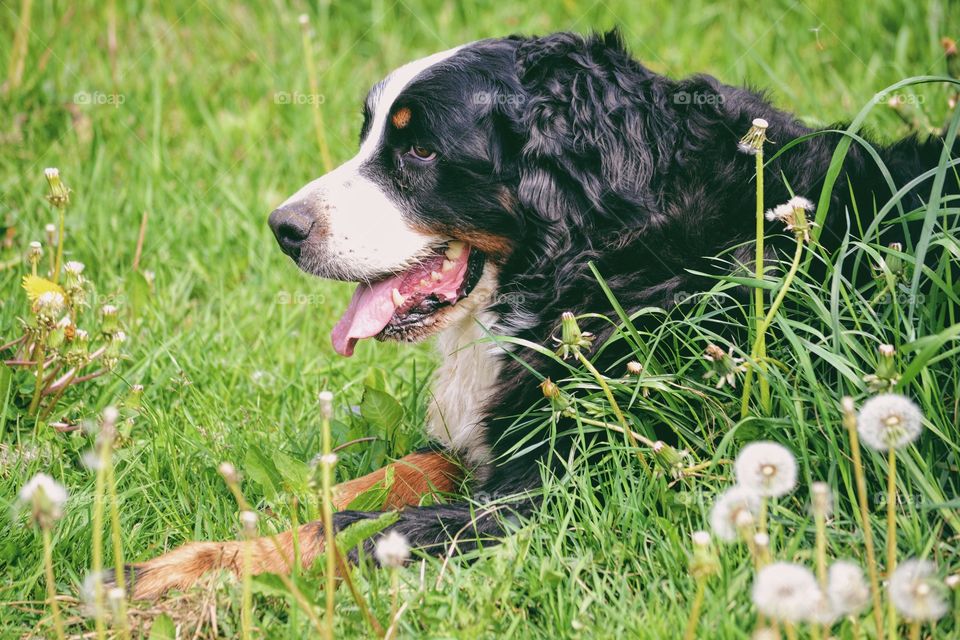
x,y
291,225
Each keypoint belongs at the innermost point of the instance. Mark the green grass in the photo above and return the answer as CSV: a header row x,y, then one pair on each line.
x,y
232,345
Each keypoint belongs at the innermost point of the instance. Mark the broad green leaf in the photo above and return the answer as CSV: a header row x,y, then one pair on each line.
x,y
263,471
354,534
381,410
163,628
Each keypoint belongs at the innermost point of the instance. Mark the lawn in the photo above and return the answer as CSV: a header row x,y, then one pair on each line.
x,y
198,117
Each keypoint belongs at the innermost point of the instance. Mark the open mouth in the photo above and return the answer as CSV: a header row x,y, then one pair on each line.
x,y
403,304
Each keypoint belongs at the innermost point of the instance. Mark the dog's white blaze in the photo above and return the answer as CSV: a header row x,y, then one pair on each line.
x,y
465,381
367,234
388,93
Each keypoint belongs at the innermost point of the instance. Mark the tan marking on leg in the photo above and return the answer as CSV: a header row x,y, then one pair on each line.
x,y
414,476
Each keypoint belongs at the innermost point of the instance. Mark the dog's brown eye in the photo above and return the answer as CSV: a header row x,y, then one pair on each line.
x,y
422,153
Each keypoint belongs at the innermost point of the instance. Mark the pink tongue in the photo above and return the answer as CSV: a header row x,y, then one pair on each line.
x,y
369,312
372,305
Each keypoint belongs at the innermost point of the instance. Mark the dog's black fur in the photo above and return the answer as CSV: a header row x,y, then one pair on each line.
x,y
579,153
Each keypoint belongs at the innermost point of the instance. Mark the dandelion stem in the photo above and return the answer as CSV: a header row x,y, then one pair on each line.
x,y
361,603
315,101
18,52
758,292
891,536
326,470
695,608
115,536
850,422
758,351
246,605
59,260
51,585
38,386
613,404
790,631
97,543
914,631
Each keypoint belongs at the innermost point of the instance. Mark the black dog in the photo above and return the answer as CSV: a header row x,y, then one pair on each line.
x,y
488,177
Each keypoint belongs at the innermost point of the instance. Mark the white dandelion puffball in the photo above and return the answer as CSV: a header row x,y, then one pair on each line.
x,y
889,420
53,493
786,592
916,592
766,467
733,505
847,589
392,550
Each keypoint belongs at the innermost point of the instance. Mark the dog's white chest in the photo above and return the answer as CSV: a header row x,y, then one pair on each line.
x,y
462,388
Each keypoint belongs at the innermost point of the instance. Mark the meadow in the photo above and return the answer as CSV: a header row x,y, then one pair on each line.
x,y
178,126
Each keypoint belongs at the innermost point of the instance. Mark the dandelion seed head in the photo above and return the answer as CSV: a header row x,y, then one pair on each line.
x,y
733,505
228,471
701,538
889,420
74,268
326,404
822,498
328,459
392,550
847,590
46,498
767,468
111,415
786,592
916,592
634,368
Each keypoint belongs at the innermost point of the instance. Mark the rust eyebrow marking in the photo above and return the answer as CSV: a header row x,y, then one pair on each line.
x,y
401,117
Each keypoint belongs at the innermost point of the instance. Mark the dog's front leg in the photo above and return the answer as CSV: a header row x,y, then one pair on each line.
x,y
414,476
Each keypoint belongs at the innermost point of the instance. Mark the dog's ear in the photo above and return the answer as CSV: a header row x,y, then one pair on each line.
x,y
590,116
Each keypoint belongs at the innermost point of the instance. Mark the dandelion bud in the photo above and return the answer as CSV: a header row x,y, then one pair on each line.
x,y
229,473
77,352
752,143
895,263
572,339
304,19
59,193
328,459
134,397
51,231
952,581
48,306
46,498
326,404
723,365
111,356
109,323
549,389
821,498
634,368
35,253
669,458
886,375
704,561
248,523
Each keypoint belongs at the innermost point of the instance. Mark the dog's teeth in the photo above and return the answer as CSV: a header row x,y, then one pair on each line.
x,y
447,265
454,249
435,276
398,298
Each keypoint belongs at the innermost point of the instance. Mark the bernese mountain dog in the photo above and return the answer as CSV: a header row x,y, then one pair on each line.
x,y
489,177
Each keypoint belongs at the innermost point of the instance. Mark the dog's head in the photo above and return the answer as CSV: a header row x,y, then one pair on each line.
x,y
471,161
